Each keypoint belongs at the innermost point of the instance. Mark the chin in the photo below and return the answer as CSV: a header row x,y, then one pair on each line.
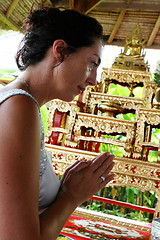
x,y
67,98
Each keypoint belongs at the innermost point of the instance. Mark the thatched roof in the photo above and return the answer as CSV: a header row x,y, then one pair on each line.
x,y
118,17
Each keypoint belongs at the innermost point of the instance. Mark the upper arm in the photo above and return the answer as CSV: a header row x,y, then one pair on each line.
x,y
19,168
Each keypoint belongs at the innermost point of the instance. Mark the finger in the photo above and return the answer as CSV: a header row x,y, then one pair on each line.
x,y
107,164
98,161
109,169
100,171
77,167
109,178
72,165
76,162
103,176
68,169
82,164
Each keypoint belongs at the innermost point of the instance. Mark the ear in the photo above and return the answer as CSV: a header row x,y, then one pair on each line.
x,y
58,47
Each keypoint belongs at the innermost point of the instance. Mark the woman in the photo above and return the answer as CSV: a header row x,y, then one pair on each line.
x,y
59,56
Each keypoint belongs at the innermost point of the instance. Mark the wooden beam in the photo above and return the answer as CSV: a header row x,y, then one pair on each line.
x,y
3,26
154,32
80,6
132,6
71,4
122,44
115,29
11,8
9,22
92,4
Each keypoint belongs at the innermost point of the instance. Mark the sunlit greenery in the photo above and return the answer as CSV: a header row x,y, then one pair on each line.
x,y
117,151
128,195
116,89
157,73
7,75
44,113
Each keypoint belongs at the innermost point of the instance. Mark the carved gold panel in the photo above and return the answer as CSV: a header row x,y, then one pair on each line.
x,y
149,173
122,102
131,78
152,117
106,125
62,107
125,76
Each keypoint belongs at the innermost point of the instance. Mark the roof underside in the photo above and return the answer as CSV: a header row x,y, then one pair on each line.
x,y
118,17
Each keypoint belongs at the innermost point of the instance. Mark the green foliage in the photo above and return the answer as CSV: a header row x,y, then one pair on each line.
x,y
44,113
115,89
118,90
130,195
153,156
157,78
155,138
157,73
7,74
124,194
117,151
127,116
138,92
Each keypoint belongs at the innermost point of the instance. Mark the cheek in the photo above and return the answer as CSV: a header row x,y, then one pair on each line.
x,y
87,73
75,75
83,73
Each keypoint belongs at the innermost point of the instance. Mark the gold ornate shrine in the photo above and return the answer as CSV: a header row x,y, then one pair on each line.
x,y
76,130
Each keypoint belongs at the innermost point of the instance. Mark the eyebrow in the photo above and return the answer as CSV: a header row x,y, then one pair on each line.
x,y
99,59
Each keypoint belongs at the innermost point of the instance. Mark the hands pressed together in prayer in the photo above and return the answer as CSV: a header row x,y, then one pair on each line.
x,y
86,177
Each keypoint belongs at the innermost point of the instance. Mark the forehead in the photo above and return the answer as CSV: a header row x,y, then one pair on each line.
x,y
97,46
94,50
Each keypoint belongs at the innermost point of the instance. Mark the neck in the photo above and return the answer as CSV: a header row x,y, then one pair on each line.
x,y
37,86
41,79
26,84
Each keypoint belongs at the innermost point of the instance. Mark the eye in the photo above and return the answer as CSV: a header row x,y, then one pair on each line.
x,y
94,65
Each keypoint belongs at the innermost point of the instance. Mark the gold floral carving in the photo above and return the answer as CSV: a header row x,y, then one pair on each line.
x,y
131,77
124,102
125,76
152,117
105,125
63,107
123,167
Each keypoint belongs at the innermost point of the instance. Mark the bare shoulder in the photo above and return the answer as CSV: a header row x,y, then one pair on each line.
x,y
19,165
19,115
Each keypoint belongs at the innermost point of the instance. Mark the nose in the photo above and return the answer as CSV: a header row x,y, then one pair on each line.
x,y
92,78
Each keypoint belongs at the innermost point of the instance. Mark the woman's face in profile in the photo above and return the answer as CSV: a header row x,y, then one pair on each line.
x,y
78,71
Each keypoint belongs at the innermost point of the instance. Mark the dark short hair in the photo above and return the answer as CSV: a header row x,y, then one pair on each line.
x,y
45,25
